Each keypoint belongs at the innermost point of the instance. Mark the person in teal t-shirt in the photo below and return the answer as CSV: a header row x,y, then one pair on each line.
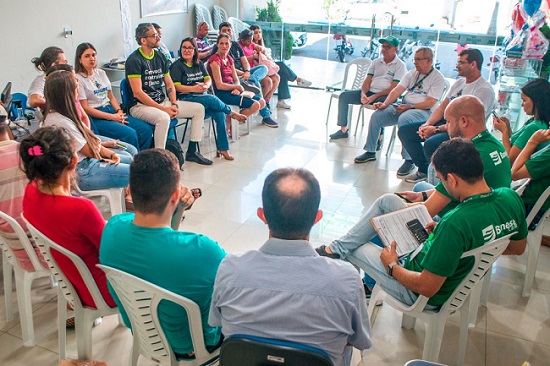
x,y
483,215
535,100
145,246
536,167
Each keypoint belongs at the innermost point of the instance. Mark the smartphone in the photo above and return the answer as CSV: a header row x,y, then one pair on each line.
x,y
494,114
177,216
120,146
403,197
418,231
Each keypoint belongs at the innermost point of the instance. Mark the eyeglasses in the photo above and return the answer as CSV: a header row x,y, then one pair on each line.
x,y
155,35
387,47
188,48
421,58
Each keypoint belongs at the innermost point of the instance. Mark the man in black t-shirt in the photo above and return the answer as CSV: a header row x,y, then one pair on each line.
x,y
148,74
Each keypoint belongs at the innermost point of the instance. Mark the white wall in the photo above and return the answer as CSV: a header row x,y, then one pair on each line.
x,y
29,26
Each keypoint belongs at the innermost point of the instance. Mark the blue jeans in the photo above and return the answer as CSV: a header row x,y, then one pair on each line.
x,y
216,109
412,143
286,75
257,74
362,232
94,174
390,117
137,133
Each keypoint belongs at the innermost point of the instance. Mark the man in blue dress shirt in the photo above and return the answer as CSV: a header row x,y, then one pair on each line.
x,y
275,292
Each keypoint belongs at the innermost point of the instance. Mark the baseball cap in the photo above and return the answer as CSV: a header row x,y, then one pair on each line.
x,y
245,34
391,40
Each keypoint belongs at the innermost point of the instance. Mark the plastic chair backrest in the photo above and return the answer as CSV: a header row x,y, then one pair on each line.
x,y
484,257
46,246
244,350
444,93
361,67
542,199
18,100
219,16
22,239
140,299
238,26
126,93
202,14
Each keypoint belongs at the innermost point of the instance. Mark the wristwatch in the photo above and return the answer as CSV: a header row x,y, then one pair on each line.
x,y
437,129
390,268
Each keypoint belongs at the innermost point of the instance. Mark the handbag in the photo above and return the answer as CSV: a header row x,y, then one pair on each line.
x,y
272,67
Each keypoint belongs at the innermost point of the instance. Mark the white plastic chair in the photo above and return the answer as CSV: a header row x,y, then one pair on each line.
x,y
534,239
238,26
394,130
140,299
23,278
361,67
115,196
84,316
219,15
484,257
202,14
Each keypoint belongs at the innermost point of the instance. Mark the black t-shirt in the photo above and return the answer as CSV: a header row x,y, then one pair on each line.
x,y
236,52
151,70
184,74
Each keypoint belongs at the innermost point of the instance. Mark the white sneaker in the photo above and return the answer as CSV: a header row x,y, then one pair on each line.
x,y
303,82
283,104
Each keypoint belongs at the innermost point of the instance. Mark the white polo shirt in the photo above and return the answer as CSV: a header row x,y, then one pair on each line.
x,y
383,74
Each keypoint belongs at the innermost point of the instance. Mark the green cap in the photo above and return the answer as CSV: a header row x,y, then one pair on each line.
x,y
391,40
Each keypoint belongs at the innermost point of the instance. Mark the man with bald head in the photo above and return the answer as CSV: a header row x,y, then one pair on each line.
x,y
275,292
465,118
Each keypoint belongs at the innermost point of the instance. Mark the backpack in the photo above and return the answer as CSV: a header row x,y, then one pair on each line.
x,y
175,148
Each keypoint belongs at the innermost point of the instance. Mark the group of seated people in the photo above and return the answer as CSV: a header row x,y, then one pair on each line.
x,y
161,89
316,300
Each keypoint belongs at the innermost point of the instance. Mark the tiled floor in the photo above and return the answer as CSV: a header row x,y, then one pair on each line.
x,y
509,331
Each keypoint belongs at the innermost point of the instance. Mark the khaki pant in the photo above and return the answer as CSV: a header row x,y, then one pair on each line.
x,y
161,119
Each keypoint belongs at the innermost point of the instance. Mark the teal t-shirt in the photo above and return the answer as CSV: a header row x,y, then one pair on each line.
x,y
521,136
473,223
496,166
182,262
539,170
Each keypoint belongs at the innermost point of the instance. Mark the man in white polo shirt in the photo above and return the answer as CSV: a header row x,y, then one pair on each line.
x,y
383,75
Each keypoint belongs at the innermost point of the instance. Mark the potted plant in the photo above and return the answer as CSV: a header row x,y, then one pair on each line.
x,y
271,14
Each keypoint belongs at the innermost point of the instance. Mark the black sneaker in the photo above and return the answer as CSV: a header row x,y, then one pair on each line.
x,y
367,156
322,251
339,135
196,157
270,122
406,168
368,295
249,86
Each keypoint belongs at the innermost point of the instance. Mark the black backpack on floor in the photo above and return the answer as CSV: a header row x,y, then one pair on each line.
x,y
175,148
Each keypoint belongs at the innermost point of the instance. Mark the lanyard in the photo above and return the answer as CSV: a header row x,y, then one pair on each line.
x,y
418,82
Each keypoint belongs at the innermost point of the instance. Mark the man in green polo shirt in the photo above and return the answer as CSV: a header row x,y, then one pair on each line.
x,y
483,215
534,166
465,117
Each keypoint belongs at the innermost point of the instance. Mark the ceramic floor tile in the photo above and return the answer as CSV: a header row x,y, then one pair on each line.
x,y
510,314
13,353
508,350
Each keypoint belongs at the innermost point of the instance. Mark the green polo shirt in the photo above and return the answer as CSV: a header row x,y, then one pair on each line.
x,y
521,136
473,223
496,166
539,170
182,262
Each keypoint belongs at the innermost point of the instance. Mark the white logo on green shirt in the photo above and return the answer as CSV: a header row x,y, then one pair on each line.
x,y
496,157
491,232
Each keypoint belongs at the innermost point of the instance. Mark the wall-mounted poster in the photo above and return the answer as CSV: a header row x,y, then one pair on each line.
x,y
160,7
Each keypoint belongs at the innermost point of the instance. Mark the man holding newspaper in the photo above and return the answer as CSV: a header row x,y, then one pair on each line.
x,y
480,214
